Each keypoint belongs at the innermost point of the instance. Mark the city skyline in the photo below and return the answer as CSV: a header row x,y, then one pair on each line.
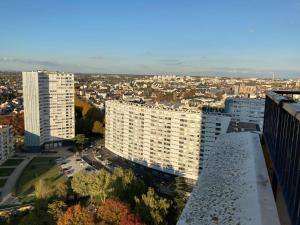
x,y
233,38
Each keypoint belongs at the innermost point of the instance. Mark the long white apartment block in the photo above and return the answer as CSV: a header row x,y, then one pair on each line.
x,y
169,140
7,142
247,110
48,109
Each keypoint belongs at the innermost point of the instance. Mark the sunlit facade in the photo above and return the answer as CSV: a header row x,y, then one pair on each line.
x,y
169,140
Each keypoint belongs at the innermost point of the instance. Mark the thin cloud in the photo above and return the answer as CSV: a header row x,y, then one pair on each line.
x,y
97,57
30,62
27,63
171,62
255,72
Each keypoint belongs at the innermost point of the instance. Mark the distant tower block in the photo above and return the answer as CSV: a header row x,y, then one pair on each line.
x,y
48,109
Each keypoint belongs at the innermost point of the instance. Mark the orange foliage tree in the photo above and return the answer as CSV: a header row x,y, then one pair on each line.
x,y
113,211
16,120
76,215
131,219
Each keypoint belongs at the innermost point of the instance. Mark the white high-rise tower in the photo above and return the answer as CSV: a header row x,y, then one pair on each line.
x,y
49,109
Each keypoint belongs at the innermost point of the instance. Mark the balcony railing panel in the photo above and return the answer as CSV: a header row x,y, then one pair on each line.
x,y
282,136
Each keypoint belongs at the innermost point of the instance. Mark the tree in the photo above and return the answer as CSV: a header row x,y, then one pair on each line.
x,y
92,184
16,120
39,215
85,106
111,211
76,215
87,116
42,189
152,209
5,218
126,185
56,209
115,212
181,197
95,114
80,141
131,219
61,190
98,127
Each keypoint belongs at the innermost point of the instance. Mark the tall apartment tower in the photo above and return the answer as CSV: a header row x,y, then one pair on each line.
x,y
173,141
7,142
48,109
247,110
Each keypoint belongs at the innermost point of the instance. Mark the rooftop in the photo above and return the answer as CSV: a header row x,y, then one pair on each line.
x,y
240,194
171,107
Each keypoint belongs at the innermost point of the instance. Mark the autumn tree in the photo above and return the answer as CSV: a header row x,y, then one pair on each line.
x,y
111,211
85,106
89,119
152,209
16,120
115,212
98,127
131,219
76,215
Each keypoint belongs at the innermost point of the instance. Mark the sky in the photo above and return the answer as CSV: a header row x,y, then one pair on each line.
x,y
189,37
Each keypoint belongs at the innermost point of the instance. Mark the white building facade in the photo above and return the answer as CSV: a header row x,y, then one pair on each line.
x,y
164,139
7,142
48,109
247,110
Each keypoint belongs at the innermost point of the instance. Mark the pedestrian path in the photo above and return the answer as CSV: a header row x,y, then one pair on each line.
x,y
8,167
7,189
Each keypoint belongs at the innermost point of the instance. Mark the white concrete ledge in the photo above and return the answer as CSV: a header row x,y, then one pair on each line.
x,y
234,187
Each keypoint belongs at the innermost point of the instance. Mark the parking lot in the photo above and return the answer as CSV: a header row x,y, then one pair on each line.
x,y
73,164
101,157
97,157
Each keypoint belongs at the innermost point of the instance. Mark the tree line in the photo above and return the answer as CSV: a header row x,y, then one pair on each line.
x,y
88,119
119,198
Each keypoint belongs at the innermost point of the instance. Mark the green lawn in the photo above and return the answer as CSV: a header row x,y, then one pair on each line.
x,y
12,162
6,171
2,182
39,168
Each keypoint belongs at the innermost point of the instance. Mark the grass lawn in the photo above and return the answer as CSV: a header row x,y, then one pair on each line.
x,y
6,171
12,162
2,182
39,168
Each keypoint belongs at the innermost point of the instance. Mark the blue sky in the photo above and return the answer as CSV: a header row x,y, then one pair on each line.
x,y
253,37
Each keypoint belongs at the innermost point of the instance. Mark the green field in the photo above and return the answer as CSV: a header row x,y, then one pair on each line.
x,y
12,162
2,182
6,171
39,168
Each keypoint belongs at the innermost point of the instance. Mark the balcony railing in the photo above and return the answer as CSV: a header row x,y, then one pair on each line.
x,y
282,137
